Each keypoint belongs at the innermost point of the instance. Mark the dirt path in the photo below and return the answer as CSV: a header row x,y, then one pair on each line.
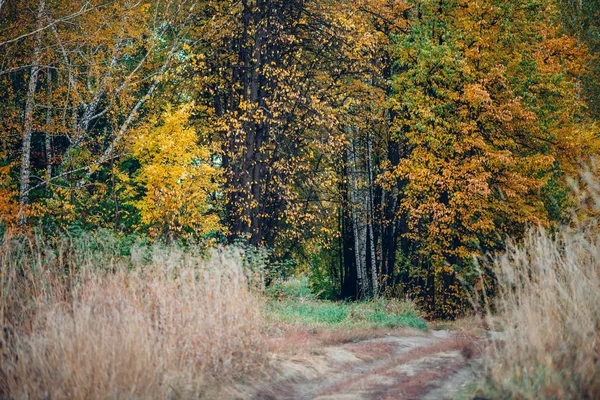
x,y
418,366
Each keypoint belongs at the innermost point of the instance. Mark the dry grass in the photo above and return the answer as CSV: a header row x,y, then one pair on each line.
x,y
295,339
158,324
550,298
473,325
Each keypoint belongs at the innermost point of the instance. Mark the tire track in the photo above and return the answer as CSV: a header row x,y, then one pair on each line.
x,y
393,367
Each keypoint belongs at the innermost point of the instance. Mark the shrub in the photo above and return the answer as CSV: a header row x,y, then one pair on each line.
x,y
297,288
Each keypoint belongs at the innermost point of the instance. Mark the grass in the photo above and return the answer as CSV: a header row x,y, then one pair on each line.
x,y
297,306
549,299
297,288
84,317
80,322
374,314
468,392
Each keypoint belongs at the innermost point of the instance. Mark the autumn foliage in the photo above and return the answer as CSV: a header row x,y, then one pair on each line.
x,y
376,145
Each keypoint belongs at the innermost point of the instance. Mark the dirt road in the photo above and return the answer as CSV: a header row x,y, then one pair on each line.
x,y
429,366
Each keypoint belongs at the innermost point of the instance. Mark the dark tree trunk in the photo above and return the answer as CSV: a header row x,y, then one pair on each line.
x,y
349,283
252,203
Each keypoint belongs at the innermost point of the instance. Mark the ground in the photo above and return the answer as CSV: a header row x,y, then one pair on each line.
x,y
380,349
401,364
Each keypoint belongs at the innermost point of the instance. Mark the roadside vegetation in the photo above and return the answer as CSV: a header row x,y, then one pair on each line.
x,y
83,320
94,316
294,303
100,316
548,304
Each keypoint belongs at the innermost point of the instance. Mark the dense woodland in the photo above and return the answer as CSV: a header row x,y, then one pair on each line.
x,y
378,146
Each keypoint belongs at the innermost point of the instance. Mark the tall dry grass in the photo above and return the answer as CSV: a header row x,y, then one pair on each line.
x,y
550,301
82,323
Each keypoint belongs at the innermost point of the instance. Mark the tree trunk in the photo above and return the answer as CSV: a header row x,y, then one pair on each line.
x,y
389,210
349,284
246,184
48,136
28,120
370,218
358,203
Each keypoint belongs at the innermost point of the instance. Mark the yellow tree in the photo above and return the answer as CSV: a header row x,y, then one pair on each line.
x,y
178,177
75,77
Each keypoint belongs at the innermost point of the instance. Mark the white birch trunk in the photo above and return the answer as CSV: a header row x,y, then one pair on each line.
x,y
358,199
355,230
28,120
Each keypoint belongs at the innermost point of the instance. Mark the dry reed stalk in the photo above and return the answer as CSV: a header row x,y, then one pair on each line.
x,y
549,294
169,329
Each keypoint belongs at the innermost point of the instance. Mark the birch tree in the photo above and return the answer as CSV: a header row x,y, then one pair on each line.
x,y
28,119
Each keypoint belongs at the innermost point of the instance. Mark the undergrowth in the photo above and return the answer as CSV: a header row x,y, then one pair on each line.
x,y
292,302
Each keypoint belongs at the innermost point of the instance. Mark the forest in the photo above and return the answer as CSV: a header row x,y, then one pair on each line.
x,y
373,150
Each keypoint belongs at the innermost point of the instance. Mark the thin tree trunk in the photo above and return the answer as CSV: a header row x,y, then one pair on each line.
x,y
370,214
383,262
361,200
349,284
48,137
115,196
352,194
28,120
358,197
341,248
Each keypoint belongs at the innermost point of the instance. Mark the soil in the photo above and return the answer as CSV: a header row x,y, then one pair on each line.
x,y
420,366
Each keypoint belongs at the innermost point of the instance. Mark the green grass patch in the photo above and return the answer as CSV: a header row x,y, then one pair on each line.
x,y
298,288
372,314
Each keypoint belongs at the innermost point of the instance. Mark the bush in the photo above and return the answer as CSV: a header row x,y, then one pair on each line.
x,y
298,288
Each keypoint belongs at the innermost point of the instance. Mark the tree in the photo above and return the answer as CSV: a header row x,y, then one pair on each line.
x,y
28,119
269,72
90,68
177,176
580,18
486,101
